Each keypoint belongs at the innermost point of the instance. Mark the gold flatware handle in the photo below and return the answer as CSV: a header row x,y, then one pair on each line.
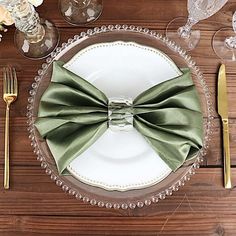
x,y
7,169
227,167
10,93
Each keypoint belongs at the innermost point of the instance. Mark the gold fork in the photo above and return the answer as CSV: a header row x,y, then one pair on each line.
x,y
9,96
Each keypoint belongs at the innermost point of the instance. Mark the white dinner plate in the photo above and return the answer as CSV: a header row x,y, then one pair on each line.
x,y
121,160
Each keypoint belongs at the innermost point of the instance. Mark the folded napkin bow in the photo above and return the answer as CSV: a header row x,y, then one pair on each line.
x,y
73,114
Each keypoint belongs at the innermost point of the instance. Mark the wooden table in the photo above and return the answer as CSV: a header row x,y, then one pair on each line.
x,y
35,205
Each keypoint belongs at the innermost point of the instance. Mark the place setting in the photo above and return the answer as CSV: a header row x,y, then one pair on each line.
x,y
119,116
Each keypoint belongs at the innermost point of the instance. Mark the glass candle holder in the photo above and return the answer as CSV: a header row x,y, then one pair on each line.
x,y
35,38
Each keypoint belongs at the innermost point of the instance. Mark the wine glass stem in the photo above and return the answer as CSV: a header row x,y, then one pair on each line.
x,y
185,31
26,20
231,42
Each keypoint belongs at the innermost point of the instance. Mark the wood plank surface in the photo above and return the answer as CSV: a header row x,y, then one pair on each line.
x,y
148,226
204,194
36,206
202,201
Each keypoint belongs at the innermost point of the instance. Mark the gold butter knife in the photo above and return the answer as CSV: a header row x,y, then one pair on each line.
x,y
223,112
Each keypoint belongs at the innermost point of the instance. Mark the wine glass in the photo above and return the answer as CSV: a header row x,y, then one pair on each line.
x,y
35,38
198,10
224,42
79,12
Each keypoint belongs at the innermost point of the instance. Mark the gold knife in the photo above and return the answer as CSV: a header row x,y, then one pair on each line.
x,y
223,112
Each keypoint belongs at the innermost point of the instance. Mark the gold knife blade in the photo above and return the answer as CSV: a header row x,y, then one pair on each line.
x,y
223,112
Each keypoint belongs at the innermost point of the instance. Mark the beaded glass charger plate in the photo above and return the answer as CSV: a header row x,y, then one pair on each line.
x,y
120,169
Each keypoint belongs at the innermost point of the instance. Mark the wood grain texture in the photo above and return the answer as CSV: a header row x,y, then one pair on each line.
x,y
33,193
150,226
36,206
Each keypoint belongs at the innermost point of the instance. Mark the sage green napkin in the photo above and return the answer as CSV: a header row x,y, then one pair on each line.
x,y
73,114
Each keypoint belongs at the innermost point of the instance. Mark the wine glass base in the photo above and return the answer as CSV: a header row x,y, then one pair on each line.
x,y
76,14
187,44
42,48
221,49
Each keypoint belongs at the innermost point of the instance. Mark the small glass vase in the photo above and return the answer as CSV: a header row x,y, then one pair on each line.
x,y
35,38
80,12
